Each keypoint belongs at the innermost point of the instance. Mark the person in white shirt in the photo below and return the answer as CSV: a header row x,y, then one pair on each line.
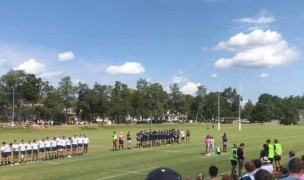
x,y
22,151
80,144
41,149
63,145
35,150
15,148
4,159
74,145
29,151
68,146
182,134
54,148
47,144
85,144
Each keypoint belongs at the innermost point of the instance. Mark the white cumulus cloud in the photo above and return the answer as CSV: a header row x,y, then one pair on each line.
x,y
66,56
127,68
31,66
50,75
177,79
190,88
214,75
262,18
256,49
264,75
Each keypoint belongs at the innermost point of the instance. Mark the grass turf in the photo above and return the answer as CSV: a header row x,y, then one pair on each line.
x,y
187,158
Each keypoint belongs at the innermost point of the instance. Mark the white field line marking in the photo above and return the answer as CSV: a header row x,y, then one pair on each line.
x,y
127,172
123,171
175,151
50,162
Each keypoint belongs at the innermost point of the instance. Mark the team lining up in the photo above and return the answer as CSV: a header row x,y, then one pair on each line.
x,y
44,149
151,138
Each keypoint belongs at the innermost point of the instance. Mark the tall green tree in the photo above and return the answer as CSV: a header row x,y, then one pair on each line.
x,y
67,93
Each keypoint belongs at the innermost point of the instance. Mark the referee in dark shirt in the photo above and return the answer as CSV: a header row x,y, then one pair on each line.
x,y
241,158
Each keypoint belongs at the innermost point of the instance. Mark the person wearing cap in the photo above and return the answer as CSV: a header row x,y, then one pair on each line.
x,y
277,154
266,164
295,168
233,158
163,173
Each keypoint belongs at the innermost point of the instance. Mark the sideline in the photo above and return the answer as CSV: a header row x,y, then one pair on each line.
x,y
126,172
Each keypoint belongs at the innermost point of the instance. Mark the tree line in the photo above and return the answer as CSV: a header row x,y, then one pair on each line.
x,y
33,98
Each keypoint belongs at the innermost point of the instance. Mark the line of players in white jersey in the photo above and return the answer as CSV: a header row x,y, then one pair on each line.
x,y
44,149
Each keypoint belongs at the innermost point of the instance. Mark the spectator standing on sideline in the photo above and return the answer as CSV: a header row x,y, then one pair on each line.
x,y
225,142
241,158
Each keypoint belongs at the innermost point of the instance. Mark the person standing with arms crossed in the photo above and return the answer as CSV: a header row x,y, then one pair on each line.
x,y
241,158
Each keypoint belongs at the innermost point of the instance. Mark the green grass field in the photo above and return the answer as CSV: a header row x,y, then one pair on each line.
x,y
187,158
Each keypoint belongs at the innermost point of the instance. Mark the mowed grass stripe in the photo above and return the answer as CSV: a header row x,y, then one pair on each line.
x,y
185,158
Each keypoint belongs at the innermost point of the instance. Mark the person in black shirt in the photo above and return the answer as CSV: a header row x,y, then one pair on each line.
x,y
225,141
265,151
241,158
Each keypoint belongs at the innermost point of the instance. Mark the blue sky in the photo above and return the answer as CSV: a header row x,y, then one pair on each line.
x,y
258,44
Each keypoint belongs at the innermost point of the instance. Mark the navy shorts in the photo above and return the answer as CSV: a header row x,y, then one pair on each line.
x,y
54,148
22,152
48,149
277,158
35,151
74,146
68,146
16,153
79,145
85,145
29,152
41,150
4,154
233,163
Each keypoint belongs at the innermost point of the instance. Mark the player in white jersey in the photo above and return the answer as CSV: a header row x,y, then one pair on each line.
x,y
15,148
85,144
41,149
80,144
22,151
54,148
63,144
4,159
74,145
9,153
47,144
68,147
35,150
29,151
